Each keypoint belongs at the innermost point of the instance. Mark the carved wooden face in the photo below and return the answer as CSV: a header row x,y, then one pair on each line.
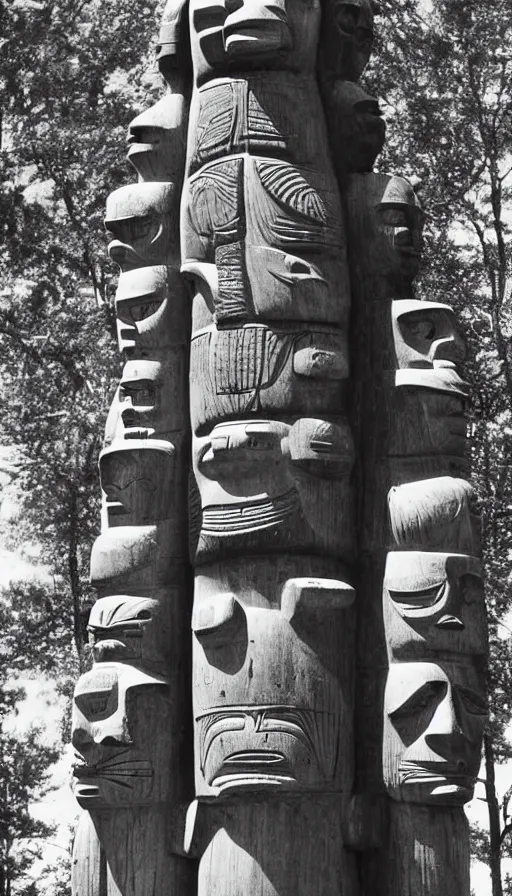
x,y
121,718
426,335
434,717
245,457
430,407
126,629
400,221
435,514
147,403
156,142
140,221
264,482
347,38
227,32
268,705
433,603
358,126
137,479
143,309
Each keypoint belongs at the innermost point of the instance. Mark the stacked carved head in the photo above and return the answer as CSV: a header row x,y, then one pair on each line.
x,y
385,224
435,705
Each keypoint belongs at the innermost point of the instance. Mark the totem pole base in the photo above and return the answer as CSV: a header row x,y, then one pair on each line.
x,y
286,847
127,853
427,853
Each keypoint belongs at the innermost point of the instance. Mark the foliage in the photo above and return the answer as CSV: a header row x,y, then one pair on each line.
x,y
73,73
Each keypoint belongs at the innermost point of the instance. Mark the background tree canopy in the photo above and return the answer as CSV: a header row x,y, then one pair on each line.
x,y
74,73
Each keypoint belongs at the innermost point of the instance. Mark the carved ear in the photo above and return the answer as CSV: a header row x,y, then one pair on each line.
x,y
311,595
216,621
205,271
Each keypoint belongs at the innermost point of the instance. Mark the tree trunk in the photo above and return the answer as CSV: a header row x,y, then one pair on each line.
x,y
494,818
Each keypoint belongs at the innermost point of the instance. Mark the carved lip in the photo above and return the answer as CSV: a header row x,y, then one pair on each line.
x,y
136,145
87,791
432,772
450,622
249,780
133,432
255,757
223,519
443,363
116,508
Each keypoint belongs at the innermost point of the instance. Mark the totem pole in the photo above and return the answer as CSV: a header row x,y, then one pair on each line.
x,y
131,718
294,413
422,633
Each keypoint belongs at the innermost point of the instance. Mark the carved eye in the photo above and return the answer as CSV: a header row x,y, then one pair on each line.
x,y
423,329
300,267
472,702
144,614
142,310
141,227
427,597
347,16
394,217
141,394
259,443
94,704
425,698
144,135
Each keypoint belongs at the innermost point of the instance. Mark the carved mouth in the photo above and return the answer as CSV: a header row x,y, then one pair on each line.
x,y
255,757
223,519
123,254
253,769
122,772
116,508
443,363
132,432
432,772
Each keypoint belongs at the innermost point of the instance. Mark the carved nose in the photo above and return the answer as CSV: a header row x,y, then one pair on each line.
x,y
118,251
86,741
452,747
444,722
403,237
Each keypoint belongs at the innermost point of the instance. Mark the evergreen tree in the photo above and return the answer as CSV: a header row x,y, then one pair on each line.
x,y
73,74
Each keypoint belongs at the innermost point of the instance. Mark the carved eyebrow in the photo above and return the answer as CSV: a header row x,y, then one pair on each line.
x,y
421,699
407,587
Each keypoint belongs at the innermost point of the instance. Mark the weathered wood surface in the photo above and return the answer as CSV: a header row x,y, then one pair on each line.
x,y
422,636
132,731
263,246
289,429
